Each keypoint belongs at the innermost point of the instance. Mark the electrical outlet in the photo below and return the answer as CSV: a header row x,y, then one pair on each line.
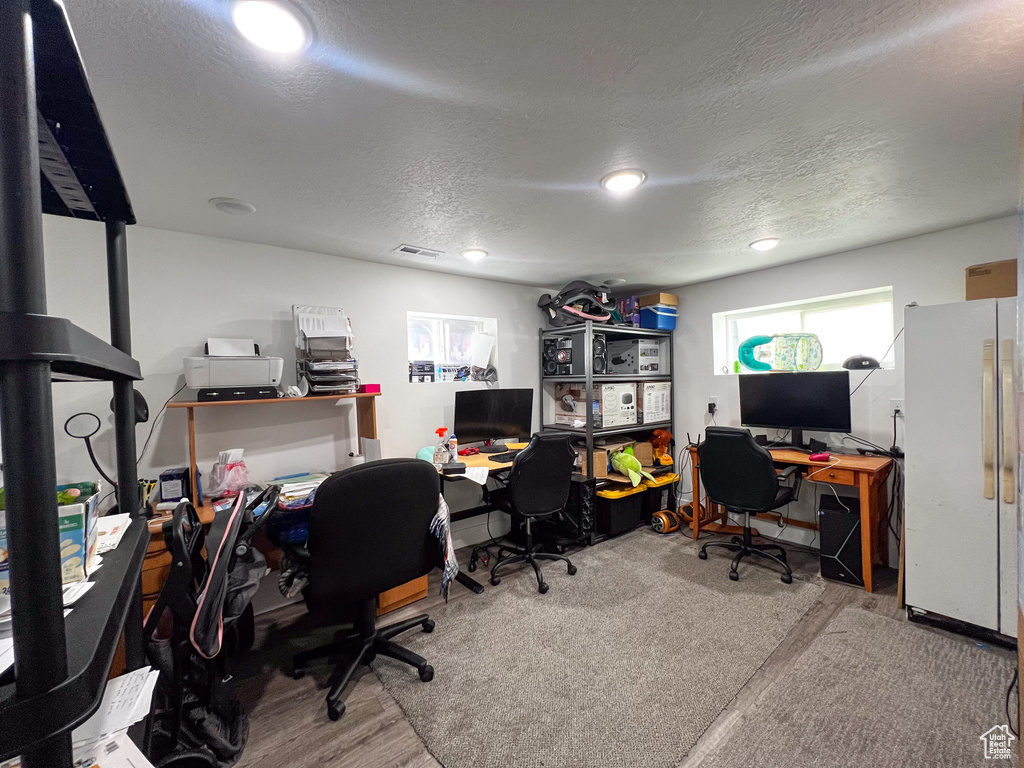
x,y
896,406
712,404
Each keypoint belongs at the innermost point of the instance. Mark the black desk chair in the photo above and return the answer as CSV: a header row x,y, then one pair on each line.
x,y
369,531
538,488
740,475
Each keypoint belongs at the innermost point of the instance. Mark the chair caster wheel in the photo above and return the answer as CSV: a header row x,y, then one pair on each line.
x,y
736,540
335,712
495,581
542,587
428,625
702,555
298,674
734,575
472,566
786,578
427,674
571,570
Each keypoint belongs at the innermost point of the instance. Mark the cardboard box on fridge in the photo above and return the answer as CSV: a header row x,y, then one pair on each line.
x,y
994,280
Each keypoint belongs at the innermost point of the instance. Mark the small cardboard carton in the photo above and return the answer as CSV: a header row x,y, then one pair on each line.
x,y
659,298
994,280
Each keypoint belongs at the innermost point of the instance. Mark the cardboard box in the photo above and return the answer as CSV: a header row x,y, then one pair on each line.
x,y
654,401
600,461
614,405
659,298
77,529
644,453
994,280
634,356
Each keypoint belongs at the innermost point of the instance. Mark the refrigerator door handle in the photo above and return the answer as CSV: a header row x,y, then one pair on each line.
x,y
988,417
1009,420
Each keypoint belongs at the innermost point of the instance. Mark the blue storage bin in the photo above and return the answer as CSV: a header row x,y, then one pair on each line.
x,y
659,317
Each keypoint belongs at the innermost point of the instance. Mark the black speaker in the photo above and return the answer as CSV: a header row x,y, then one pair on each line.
x,y
550,351
600,354
839,532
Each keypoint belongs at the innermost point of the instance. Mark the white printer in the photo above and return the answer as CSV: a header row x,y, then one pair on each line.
x,y
233,369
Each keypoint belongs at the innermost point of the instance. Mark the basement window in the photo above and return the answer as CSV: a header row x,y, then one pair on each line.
x,y
446,348
846,324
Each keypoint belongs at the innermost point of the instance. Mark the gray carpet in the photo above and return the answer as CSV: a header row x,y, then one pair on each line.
x,y
625,664
872,691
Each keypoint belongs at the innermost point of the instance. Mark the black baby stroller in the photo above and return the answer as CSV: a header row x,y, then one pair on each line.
x,y
202,617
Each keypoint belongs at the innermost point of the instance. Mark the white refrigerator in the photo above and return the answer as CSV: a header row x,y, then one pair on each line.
x,y
961,455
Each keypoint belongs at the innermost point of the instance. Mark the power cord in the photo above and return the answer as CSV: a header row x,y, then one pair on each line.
x,y
875,369
153,425
1009,692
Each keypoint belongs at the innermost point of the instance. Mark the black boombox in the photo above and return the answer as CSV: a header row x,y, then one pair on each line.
x,y
565,356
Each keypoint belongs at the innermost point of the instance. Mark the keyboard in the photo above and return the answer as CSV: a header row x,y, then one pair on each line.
x,y
502,458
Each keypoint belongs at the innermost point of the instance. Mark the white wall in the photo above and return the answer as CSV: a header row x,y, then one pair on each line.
x,y
185,288
928,269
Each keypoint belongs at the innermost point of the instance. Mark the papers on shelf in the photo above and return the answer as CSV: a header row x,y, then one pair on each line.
x,y
7,643
72,592
126,700
110,531
115,752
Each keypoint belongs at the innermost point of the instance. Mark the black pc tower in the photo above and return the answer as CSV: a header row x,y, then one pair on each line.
x,y
839,533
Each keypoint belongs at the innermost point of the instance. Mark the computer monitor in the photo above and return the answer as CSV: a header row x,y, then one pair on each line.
x,y
796,400
488,414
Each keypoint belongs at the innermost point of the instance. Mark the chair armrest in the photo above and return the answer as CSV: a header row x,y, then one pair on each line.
x,y
787,472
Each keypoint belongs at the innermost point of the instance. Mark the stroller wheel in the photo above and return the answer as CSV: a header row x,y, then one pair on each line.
x,y
335,712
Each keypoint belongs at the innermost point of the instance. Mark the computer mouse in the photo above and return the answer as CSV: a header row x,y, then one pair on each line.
x,y
823,456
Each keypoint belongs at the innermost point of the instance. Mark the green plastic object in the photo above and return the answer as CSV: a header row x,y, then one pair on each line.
x,y
427,454
785,351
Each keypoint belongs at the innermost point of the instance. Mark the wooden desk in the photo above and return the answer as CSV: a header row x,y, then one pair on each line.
x,y
483,460
866,473
366,416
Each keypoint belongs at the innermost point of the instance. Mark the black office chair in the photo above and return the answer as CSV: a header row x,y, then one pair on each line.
x,y
740,475
538,488
369,531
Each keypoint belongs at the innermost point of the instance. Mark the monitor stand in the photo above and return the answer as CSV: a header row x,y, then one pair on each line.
x,y
796,441
495,448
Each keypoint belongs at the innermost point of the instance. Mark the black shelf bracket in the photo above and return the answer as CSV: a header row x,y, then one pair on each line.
x,y
69,350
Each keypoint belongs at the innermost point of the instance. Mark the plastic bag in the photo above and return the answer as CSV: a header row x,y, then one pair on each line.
x,y
227,479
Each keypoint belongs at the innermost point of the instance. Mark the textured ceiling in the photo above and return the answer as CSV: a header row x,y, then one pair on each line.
x,y
458,123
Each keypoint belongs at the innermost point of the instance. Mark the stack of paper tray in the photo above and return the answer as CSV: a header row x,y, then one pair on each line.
x,y
323,356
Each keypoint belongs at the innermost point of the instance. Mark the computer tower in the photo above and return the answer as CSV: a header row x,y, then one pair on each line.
x,y
839,533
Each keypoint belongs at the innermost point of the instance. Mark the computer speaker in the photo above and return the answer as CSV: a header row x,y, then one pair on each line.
x,y
600,354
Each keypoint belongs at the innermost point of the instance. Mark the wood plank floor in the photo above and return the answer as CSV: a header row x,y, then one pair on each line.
x,y
288,718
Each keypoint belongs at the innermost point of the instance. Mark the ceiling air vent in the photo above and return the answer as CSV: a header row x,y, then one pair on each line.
x,y
415,253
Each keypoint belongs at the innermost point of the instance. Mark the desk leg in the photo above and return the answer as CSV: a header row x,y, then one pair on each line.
x,y
197,500
881,508
366,417
867,529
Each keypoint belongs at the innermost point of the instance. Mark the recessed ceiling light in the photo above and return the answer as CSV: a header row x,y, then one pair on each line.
x,y
623,181
611,282
765,244
232,205
271,24
475,254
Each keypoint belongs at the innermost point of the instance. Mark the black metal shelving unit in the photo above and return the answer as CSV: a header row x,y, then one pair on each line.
x,y
589,432
55,158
